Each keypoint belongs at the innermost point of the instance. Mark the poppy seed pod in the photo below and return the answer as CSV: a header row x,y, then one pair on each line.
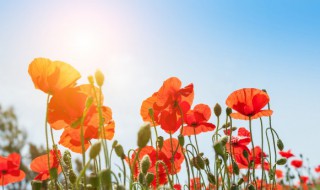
x,y
149,178
95,150
36,184
90,79
280,144
144,135
160,142
119,151
282,161
228,111
217,110
181,140
94,180
211,178
99,77
145,164
72,176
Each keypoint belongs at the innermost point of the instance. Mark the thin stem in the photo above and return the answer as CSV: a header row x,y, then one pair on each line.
x,y
253,154
262,157
46,132
83,152
124,172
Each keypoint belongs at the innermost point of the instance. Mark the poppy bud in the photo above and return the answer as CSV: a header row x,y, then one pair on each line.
x,y
234,128
160,142
211,178
264,90
141,177
99,77
251,187
226,125
114,144
94,180
240,181
119,151
105,177
228,111
217,110
218,148
235,168
95,150
181,140
53,173
149,178
280,144
67,158
36,184
206,161
282,161
72,176
144,135
245,154
145,164
199,162
234,187
90,79
224,140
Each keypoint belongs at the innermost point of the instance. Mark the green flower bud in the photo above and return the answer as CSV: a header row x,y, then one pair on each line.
x,y
141,178
99,77
199,162
280,144
160,142
217,110
67,158
114,144
90,79
245,154
94,180
251,187
206,161
145,164
95,150
149,178
72,176
119,151
282,161
240,181
144,135
234,128
228,111
219,149
235,168
224,140
211,178
36,184
181,140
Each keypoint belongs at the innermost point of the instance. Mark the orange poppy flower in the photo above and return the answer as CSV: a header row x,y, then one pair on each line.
x,y
169,105
40,165
197,120
279,174
248,102
10,169
52,76
304,179
243,162
195,183
286,154
296,163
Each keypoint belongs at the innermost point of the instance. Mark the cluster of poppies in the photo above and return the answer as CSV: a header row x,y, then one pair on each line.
x,y
78,110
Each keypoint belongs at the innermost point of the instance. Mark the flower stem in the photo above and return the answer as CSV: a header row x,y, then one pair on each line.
x,y
46,132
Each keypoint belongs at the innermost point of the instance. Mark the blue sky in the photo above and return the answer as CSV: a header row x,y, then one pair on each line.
x,y
220,46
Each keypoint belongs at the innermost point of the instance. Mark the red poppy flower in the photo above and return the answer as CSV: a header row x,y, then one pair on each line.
x,y
40,165
296,163
10,169
197,120
169,105
165,155
177,187
239,143
304,179
248,102
317,169
52,76
279,174
285,154
243,162
195,183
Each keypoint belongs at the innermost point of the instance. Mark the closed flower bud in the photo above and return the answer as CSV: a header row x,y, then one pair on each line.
x,y
181,140
114,144
282,161
234,128
99,77
141,178
119,151
90,79
36,184
217,110
94,180
235,168
199,162
228,111
280,144
224,140
160,142
95,150
245,153
218,148
211,178
144,135
105,178
226,125
145,164
67,158
149,178
72,176
240,181
251,187
206,161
